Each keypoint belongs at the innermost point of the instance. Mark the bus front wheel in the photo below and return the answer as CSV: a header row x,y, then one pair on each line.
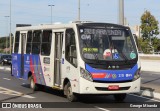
x,y
120,97
68,92
33,85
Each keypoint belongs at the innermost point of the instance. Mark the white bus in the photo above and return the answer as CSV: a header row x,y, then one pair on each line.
x,y
78,58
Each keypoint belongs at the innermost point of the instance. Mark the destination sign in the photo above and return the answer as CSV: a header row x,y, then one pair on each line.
x,y
114,32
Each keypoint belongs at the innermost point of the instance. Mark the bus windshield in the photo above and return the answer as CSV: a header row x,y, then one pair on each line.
x,y
106,43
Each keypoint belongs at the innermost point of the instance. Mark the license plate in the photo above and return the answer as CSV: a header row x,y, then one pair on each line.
x,y
113,87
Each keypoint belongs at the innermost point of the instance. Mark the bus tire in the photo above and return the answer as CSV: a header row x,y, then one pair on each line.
x,y
3,63
120,97
69,94
33,85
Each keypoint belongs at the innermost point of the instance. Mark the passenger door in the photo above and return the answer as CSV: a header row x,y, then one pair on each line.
x,y
23,47
58,57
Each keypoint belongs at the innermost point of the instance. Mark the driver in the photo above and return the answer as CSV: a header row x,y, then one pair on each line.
x,y
107,54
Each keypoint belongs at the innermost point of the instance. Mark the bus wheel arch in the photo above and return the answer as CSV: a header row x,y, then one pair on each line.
x,y
66,80
33,85
68,91
29,74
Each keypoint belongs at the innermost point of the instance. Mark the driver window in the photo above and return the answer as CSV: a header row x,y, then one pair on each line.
x,y
70,47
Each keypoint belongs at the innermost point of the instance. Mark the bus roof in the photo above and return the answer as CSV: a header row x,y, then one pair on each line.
x,y
61,26
45,26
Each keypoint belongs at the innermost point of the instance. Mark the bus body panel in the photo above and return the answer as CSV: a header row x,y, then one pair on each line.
x,y
16,65
36,69
88,87
47,69
32,64
69,71
112,75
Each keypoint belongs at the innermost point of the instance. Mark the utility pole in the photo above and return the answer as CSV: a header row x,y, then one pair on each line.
x,y
10,31
7,32
121,12
79,10
51,11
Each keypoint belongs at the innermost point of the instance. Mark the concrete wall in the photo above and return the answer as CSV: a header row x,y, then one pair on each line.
x,y
150,63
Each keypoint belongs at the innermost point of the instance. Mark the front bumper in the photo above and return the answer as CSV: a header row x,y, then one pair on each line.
x,y
87,87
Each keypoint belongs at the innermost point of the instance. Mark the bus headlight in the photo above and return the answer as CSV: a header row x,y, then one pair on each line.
x,y
85,74
137,75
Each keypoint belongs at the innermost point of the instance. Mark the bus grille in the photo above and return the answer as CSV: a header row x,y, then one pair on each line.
x,y
106,89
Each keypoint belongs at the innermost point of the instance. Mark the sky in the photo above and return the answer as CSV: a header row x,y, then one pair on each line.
x,y
37,12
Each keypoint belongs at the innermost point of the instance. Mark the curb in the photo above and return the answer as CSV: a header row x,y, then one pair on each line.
x,y
6,68
150,94
150,70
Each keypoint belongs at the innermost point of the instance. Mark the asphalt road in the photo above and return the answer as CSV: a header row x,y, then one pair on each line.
x,y
151,81
15,90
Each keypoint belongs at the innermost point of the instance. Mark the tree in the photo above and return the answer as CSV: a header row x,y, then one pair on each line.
x,y
143,45
156,44
149,26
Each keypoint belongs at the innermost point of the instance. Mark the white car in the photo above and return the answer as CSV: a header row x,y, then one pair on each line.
x,y
157,53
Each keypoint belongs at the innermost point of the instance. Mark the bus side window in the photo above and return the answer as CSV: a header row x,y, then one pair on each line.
x,y
70,45
46,42
29,45
36,42
16,45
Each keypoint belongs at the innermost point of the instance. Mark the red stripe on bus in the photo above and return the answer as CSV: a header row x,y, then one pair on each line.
x,y
98,75
32,69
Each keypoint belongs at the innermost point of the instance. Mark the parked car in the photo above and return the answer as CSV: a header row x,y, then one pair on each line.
x,y
158,53
5,59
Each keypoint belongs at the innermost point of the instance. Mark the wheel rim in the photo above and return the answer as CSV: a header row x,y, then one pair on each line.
x,y
32,83
69,92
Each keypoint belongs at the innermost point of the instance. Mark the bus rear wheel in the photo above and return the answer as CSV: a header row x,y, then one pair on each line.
x,y
33,85
3,63
68,92
120,97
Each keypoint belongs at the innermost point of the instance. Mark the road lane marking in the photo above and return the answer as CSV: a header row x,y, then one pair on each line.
x,y
149,93
103,109
27,96
144,97
14,93
5,68
7,79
